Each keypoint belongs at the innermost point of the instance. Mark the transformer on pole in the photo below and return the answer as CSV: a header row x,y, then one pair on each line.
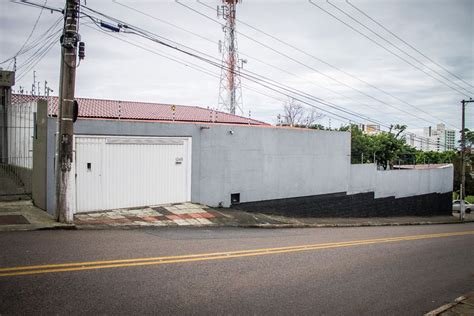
x,y
230,89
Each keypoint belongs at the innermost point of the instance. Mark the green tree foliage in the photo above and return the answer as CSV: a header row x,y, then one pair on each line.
x,y
386,148
469,136
433,157
469,174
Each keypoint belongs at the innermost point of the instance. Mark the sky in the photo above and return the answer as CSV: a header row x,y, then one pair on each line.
x,y
310,51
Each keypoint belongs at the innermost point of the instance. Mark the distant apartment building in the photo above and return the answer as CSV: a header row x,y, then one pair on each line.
x,y
439,139
371,129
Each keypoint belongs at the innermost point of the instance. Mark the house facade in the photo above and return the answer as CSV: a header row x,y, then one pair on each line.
x,y
140,154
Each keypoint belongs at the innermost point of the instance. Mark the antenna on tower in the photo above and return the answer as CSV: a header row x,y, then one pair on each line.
x,y
33,86
230,88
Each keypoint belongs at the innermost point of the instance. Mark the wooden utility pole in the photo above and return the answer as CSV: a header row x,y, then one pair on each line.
x,y
64,160
462,191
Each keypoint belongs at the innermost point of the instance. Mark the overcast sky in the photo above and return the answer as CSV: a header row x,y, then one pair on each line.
x,y
441,29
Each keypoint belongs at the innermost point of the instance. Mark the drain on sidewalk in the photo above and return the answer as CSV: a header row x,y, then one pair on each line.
x,y
13,220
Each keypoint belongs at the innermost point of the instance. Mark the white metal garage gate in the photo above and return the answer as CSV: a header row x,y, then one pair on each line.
x,y
117,172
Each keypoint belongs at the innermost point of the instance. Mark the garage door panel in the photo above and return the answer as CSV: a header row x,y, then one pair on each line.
x,y
143,171
89,173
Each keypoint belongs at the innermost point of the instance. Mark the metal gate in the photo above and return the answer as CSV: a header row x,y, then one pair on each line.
x,y
118,172
17,129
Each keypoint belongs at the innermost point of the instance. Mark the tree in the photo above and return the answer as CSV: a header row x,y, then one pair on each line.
x,y
469,136
294,114
387,148
362,145
469,174
400,128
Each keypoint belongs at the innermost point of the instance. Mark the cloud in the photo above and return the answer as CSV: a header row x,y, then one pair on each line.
x,y
114,69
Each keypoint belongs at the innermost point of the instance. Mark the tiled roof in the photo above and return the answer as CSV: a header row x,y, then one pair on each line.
x,y
131,110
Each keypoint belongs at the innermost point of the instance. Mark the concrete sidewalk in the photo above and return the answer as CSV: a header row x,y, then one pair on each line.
x,y
23,215
191,214
239,218
462,306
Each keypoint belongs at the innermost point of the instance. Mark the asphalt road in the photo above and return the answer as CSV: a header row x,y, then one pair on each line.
x,y
401,276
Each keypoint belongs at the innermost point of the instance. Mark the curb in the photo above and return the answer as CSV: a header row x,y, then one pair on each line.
x,y
29,229
263,226
446,307
269,226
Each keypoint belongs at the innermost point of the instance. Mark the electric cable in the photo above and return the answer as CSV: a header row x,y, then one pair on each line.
x,y
146,34
248,56
386,49
248,77
319,72
406,43
395,46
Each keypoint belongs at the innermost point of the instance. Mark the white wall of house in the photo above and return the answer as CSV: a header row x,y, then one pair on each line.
x,y
400,183
265,163
271,163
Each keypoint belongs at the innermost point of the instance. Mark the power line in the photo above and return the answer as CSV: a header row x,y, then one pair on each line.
x,y
46,45
164,21
406,43
247,55
41,54
32,30
257,80
146,34
395,46
250,56
290,57
41,44
313,69
248,77
251,77
179,61
386,49
39,40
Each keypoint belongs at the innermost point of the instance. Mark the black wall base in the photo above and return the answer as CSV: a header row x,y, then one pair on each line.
x,y
354,205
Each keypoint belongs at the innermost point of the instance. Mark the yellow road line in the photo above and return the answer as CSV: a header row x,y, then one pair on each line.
x,y
92,265
231,252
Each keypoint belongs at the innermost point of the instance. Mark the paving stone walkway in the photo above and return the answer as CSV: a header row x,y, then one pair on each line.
x,y
184,214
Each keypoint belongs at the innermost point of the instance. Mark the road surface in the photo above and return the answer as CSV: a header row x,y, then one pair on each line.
x,y
332,271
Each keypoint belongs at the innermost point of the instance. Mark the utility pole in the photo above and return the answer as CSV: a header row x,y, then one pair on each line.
x,y
67,81
462,191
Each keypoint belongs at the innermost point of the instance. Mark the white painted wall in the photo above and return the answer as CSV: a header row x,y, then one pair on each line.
x,y
264,163
400,183
271,163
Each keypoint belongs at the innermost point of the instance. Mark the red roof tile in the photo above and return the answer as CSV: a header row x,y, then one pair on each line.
x,y
131,110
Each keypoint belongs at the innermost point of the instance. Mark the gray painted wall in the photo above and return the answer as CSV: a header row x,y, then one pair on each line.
x,y
260,163
257,162
40,155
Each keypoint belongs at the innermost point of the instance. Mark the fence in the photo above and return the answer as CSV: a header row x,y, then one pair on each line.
x,y
17,128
